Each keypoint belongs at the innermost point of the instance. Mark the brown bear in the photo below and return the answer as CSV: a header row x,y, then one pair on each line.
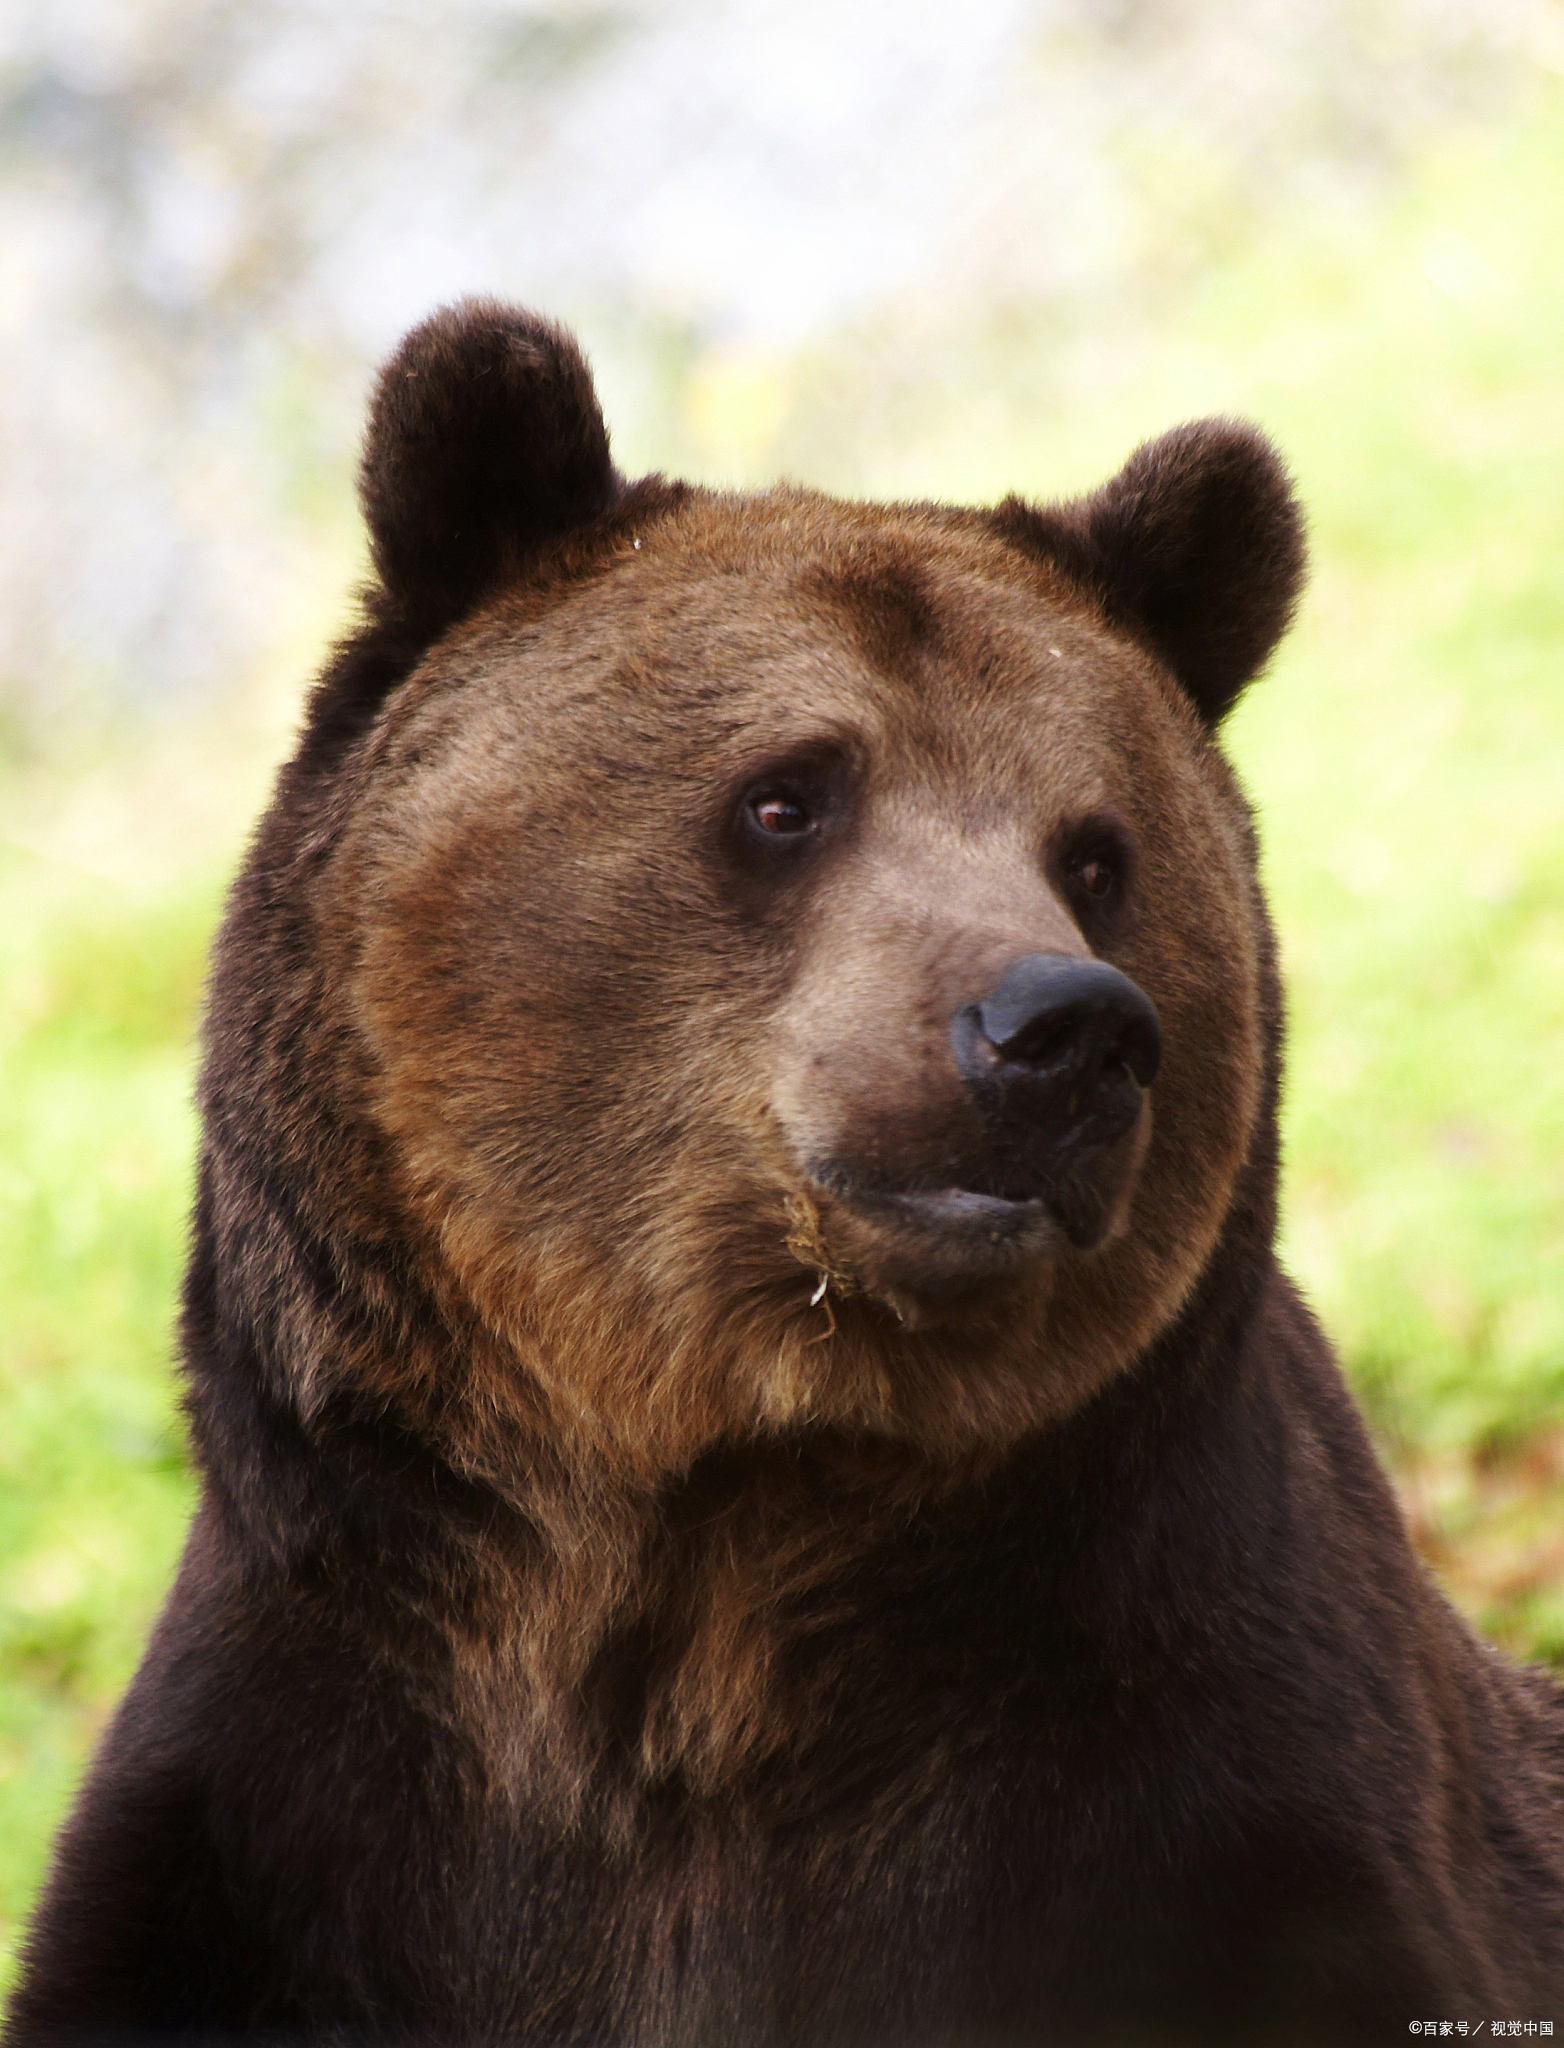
x,y
761,1482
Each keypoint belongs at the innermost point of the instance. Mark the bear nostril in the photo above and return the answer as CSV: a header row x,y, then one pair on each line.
x,y
1138,1048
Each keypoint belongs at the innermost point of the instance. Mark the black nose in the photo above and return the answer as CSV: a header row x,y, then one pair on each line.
x,y
1081,1019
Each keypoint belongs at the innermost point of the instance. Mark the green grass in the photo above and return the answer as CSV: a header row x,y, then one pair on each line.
x,y
1407,755
97,997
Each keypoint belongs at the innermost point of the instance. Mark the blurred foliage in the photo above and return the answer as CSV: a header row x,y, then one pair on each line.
x,y
214,214
1406,755
97,996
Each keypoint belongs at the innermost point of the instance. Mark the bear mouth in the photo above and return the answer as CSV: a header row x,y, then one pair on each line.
x,y
930,1243
936,1237
1076,1211
996,1217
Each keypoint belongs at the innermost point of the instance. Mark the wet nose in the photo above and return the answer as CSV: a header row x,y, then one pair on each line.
x,y
1078,1021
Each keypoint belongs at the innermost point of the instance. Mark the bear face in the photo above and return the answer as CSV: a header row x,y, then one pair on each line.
x,y
656,909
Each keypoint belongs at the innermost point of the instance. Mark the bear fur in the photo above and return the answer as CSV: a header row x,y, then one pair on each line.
x,y
714,1531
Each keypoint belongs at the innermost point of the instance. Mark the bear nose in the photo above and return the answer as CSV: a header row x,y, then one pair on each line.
x,y
1075,1019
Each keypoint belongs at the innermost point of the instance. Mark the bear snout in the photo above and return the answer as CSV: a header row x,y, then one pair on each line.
x,y
1058,1057
1039,1142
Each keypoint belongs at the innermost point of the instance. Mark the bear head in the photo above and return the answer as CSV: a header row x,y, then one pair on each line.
x,y
728,965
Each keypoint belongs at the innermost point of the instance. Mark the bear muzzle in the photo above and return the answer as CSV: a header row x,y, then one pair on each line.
x,y
1054,1065
1058,1058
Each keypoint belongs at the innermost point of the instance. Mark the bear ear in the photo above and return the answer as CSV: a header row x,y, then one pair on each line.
x,y
485,441
1196,547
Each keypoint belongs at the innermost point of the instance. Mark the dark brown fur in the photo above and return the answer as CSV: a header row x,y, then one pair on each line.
x,y
640,1595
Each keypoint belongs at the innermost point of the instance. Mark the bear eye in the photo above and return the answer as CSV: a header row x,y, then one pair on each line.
x,y
1096,862
1096,875
787,808
779,816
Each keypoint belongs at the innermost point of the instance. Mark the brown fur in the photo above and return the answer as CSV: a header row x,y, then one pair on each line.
x,y
656,1307
647,1588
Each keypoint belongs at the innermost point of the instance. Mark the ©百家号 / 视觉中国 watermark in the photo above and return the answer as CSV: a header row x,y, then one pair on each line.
x,y
1470,2029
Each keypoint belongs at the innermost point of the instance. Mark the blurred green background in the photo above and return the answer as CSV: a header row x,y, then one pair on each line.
x,y
1396,320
